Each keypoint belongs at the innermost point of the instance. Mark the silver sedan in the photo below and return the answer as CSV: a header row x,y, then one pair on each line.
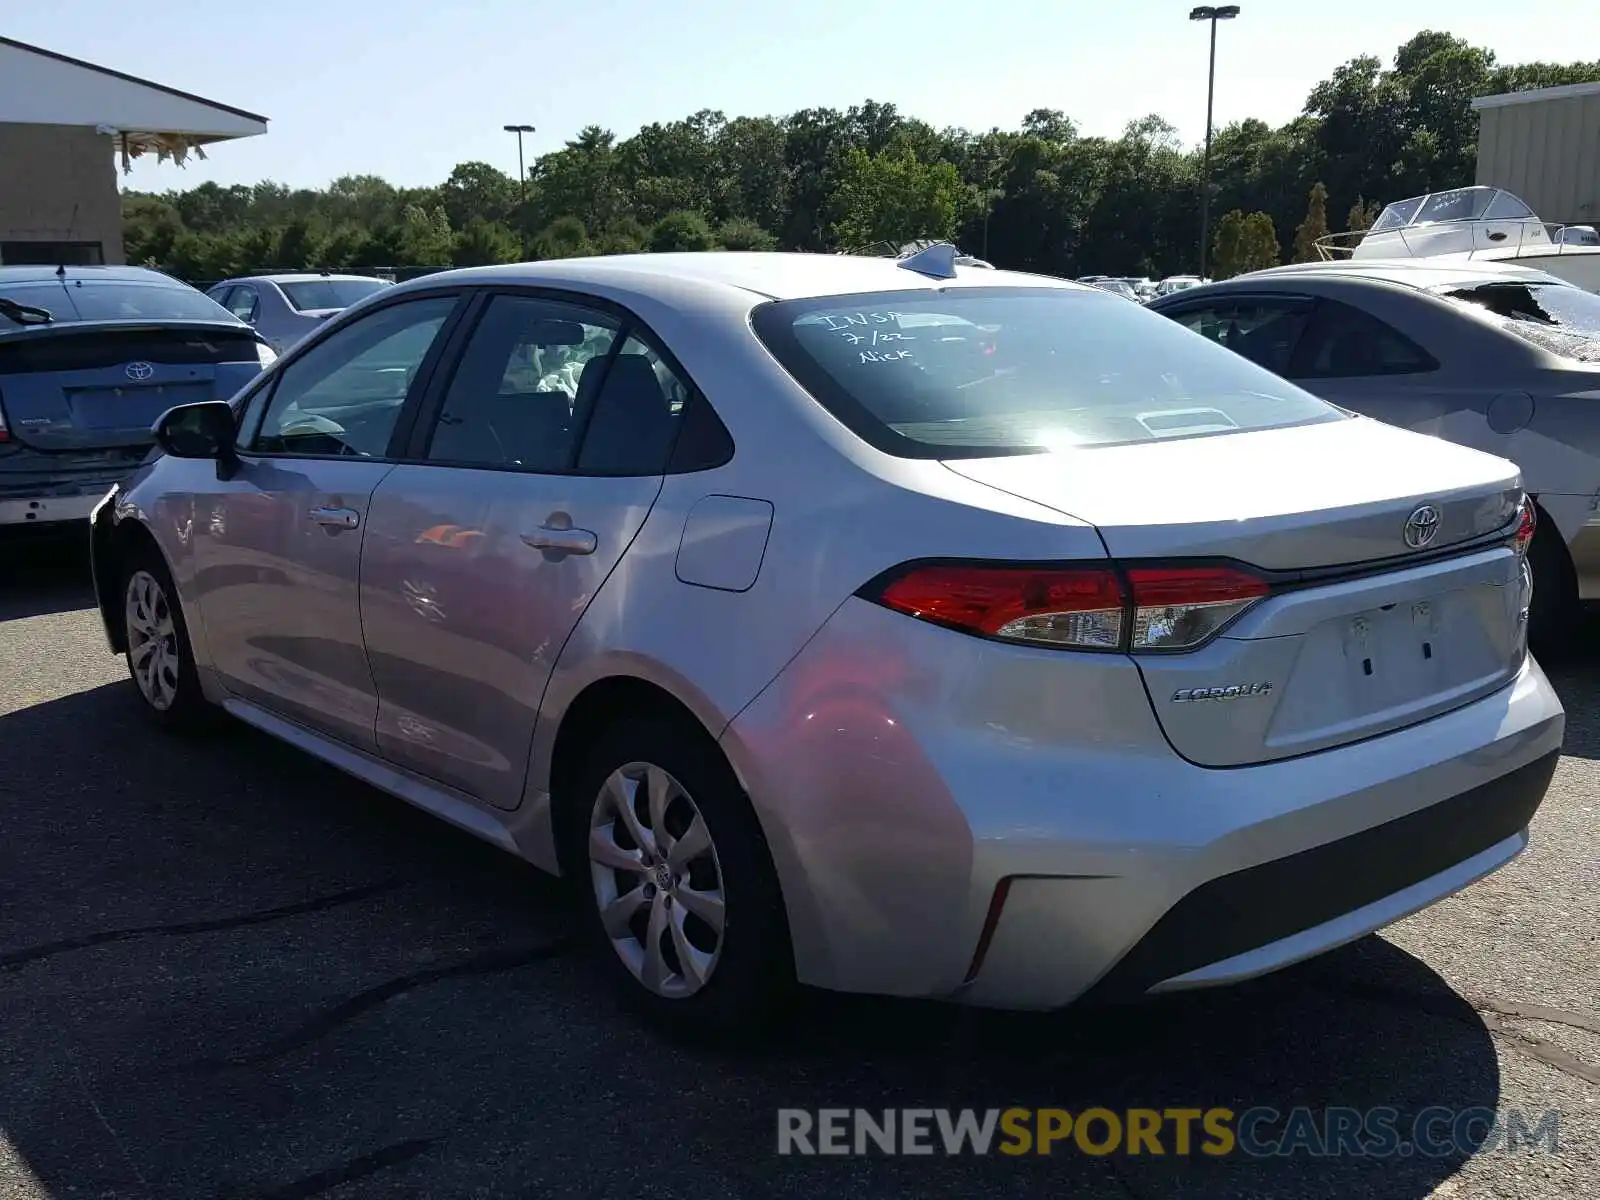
x,y
886,626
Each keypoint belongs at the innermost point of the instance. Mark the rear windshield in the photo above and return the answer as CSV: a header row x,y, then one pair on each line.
x,y
114,300
329,293
1557,317
974,372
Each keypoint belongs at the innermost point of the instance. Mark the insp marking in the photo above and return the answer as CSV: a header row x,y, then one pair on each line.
x,y
1234,691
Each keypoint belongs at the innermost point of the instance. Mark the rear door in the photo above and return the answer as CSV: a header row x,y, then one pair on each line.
x,y
544,457
278,542
76,386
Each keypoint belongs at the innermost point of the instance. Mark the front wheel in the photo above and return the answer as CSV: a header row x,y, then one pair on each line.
x,y
678,888
160,658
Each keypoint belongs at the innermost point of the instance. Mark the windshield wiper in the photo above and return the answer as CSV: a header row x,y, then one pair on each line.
x,y
25,314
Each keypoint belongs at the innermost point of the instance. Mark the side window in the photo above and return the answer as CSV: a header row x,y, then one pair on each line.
x,y
525,380
220,295
1264,331
243,302
1346,343
344,395
636,415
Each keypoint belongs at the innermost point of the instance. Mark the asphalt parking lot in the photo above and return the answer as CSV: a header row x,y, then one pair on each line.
x,y
226,970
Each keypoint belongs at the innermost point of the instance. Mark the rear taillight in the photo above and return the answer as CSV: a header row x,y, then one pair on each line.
x,y
5,434
1090,607
1527,522
1081,608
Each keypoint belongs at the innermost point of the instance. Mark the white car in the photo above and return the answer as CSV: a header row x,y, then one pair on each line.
x,y
886,626
284,308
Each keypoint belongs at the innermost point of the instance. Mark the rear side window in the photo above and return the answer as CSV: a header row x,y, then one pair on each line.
x,y
526,377
1265,331
974,372
1345,343
329,293
636,415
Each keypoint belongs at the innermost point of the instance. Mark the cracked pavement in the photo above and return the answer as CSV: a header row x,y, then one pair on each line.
x,y
229,971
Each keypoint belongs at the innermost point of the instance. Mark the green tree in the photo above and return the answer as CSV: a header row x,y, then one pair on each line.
x,y
1259,243
681,231
894,198
426,239
565,237
744,235
1314,227
1227,248
482,243
625,235
476,191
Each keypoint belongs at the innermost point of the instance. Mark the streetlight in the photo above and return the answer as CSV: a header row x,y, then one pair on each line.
x,y
522,178
1206,12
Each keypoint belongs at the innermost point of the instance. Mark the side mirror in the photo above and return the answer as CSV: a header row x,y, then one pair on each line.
x,y
204,430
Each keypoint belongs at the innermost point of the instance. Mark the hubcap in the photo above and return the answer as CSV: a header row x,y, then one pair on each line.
x,y
152,640
657,880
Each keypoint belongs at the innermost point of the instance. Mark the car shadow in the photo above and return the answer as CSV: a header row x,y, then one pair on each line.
x,y
226,970
44,572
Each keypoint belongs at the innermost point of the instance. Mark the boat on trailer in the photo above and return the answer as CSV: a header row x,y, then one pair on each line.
x,y
1474,223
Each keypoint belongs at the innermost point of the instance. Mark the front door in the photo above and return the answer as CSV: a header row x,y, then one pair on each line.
x,y
278,548
546,456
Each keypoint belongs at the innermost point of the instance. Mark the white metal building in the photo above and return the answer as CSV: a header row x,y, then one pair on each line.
x,y
66,126
1544,146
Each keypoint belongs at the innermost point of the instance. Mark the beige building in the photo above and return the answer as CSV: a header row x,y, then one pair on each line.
x,y
1544,146
67,128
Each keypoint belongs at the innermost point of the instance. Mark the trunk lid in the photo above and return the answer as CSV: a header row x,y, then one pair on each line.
x,y
82,385
1363,632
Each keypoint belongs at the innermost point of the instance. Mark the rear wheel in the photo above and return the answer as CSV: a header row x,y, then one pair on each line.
x,y
159,656
678,889
1554,614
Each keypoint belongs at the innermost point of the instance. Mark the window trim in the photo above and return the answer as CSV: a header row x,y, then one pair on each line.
x,y
420,382
413,452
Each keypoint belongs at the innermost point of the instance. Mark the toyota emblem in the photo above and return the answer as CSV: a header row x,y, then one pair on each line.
x,y
1422,526
139,371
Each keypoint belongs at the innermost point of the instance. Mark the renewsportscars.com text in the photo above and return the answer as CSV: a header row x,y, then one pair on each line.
x,y
1215,1132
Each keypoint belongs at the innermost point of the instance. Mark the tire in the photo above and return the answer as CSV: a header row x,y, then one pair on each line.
x,y
1554,614
732,984
159,656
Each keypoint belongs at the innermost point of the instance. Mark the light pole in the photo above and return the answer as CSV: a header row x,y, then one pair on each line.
x,y
522,183
1206,12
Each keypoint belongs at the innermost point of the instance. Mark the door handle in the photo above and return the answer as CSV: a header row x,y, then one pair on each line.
x,y
335,518
562,541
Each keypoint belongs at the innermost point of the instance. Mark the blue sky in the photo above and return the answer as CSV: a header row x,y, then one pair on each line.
x,y
408,88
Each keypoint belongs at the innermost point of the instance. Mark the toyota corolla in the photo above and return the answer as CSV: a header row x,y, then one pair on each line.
x,y
885,626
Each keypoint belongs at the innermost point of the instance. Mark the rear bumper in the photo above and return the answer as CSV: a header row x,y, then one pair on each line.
x,y
903,774
55,508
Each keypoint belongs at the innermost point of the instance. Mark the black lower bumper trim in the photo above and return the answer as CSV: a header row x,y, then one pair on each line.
x,y
1251,908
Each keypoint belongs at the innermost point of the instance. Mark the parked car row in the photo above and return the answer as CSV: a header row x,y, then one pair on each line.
x,y
1142,288
889,626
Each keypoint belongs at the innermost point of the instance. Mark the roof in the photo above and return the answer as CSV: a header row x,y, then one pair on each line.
x,y
772,275
298,277
102,274
1418,273
42,87
1570,91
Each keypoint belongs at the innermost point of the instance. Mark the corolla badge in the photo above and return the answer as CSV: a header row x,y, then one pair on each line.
x,y
1233,691
1422,526
139,371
